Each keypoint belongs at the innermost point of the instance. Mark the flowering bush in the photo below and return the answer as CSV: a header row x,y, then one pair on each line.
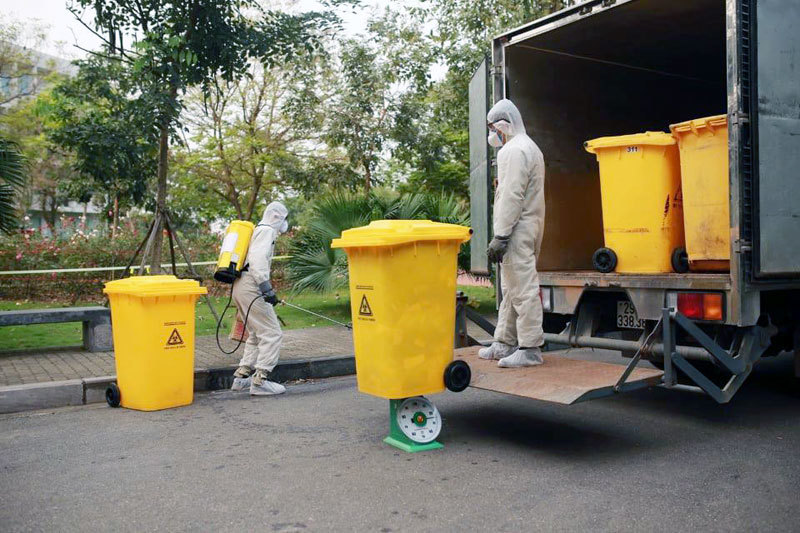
x,y
30,250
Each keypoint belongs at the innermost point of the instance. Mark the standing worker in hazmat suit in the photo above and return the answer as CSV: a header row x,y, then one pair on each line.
x,y
261,351
518,230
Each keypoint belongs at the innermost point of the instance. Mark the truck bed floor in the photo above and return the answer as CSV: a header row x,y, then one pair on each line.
x,y
668,280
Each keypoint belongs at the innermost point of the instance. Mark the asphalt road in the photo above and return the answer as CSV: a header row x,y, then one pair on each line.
x,y
313,460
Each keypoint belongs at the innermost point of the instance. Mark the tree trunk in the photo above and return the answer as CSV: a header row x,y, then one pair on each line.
x,y
115,218
368,177
161,197
50,211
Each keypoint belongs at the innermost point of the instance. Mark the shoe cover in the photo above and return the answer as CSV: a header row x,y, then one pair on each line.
x,y
241,383
522,357
496,350
261,386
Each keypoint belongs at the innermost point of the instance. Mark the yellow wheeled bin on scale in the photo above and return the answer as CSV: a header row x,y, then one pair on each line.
x,y
152,321
402,297
703,145
640,189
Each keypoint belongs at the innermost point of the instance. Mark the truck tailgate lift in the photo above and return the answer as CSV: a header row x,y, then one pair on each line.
x,y
558,380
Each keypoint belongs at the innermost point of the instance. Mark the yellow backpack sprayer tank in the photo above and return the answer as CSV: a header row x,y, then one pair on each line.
x,y
234,251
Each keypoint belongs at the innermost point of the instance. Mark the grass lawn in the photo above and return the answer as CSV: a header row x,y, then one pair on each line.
x,y
69,334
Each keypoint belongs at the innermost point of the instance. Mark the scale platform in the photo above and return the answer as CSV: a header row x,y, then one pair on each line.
x,y
558,380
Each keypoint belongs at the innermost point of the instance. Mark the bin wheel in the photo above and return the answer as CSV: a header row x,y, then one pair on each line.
x,y
680,260
604,260
457,376
113,396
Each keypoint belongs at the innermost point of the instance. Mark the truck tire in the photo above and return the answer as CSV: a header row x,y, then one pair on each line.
x,y
604,260
680,260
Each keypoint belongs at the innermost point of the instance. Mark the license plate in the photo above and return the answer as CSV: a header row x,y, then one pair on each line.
x,y
627,318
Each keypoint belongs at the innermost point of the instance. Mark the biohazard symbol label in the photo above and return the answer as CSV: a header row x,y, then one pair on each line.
x,y
365,309
174,338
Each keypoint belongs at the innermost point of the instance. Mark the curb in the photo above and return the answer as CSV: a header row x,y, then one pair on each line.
x,y
33,396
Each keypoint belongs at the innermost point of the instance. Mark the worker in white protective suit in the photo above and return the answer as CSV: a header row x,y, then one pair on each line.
x,y
254,291
518,230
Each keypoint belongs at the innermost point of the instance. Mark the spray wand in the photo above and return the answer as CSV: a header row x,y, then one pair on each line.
x,y
348,326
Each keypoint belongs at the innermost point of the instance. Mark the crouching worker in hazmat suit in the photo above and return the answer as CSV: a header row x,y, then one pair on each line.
x,y
518,230
261,351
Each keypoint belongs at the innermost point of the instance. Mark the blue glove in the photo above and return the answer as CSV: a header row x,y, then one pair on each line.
x,y
267,293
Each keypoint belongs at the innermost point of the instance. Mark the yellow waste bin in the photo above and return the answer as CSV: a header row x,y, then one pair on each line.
x,y
640,189
152,321
703,147
402,293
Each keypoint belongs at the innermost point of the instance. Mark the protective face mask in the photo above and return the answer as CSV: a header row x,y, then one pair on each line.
x,y
494,140
284,226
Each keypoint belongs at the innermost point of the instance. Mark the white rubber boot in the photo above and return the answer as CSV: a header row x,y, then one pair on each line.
x,y
497,350
522,357
261,386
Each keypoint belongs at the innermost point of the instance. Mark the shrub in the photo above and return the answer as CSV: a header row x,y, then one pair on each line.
x,y
314,265
30,250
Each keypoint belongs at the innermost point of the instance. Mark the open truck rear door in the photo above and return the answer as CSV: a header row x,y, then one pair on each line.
x,y
479,169
772,205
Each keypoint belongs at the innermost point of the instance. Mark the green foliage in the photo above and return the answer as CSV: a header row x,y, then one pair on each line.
x,y
111,133
79,248
430,131
316,266
12,178
48,169
364,109
178,44
256,138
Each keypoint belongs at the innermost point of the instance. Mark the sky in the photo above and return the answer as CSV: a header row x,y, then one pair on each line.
x,y
65,32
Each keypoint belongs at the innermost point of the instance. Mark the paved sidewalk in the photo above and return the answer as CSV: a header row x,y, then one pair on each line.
x,y
55,364
60,364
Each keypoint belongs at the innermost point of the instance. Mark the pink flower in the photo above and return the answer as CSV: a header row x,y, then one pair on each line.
x,y
19,256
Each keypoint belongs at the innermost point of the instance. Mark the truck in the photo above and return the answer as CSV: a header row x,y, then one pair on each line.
x,y
615,67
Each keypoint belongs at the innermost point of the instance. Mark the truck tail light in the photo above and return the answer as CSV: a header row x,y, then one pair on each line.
x,y
697,305
712,306
691,305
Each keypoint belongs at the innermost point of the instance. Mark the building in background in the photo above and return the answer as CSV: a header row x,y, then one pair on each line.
x,y
28,73
24,74
72,216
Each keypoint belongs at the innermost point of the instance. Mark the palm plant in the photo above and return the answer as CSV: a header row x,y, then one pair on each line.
x,y
315,266
12,178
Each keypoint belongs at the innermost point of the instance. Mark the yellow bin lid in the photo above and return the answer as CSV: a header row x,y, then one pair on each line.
x,y
648,138
394,232
712,123
148,286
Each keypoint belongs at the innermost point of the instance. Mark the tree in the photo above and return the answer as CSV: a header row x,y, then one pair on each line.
x,y
178,44
429,136
100,118
363,112
12,178
254,138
